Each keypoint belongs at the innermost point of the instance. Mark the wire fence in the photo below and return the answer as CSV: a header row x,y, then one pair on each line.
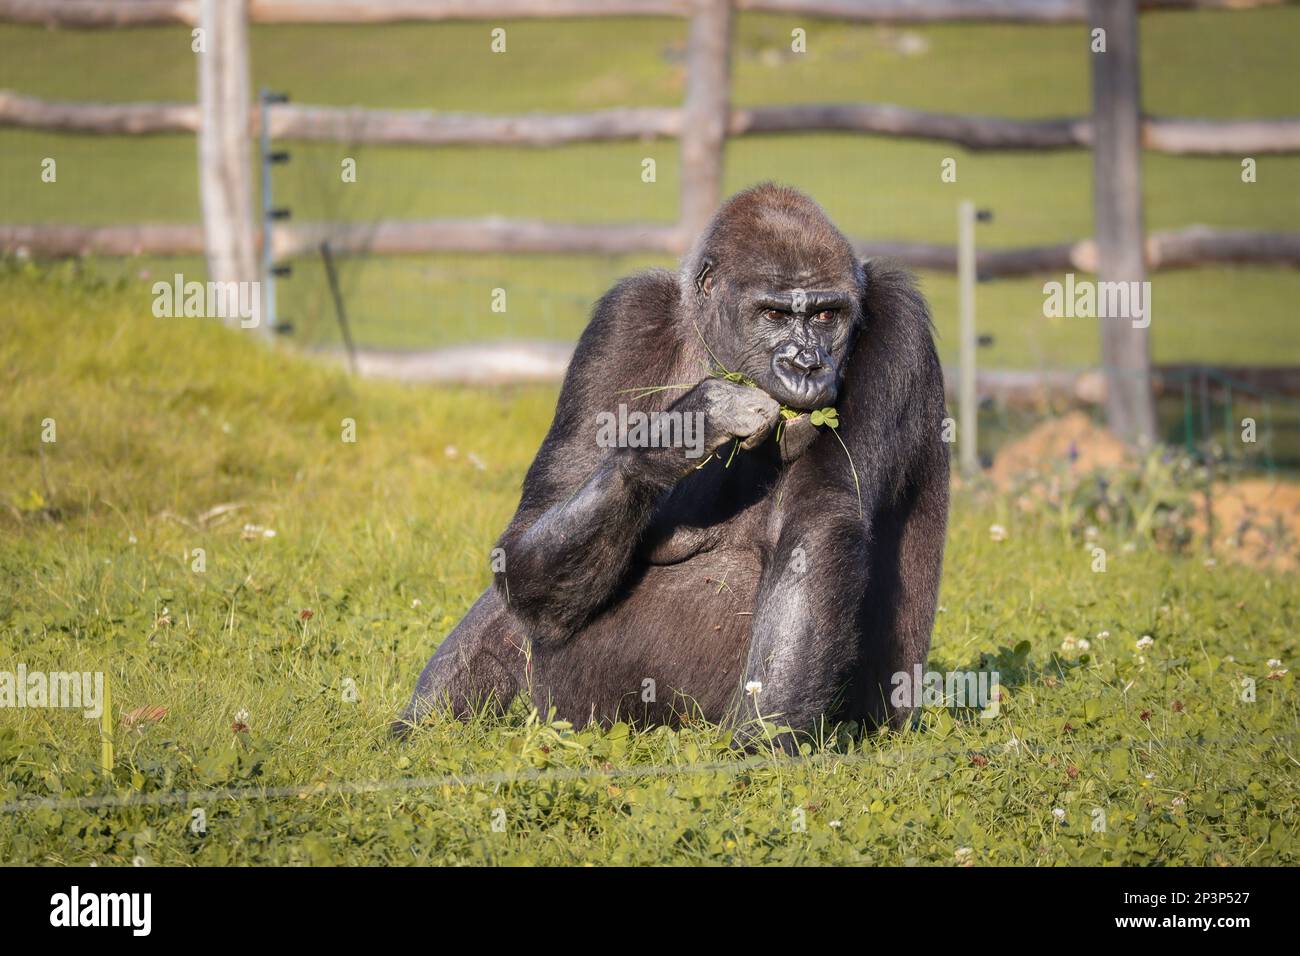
x,y
1209,413
892,757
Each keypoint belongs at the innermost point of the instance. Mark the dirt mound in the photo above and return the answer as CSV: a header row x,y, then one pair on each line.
x,y
1256,521
1073,438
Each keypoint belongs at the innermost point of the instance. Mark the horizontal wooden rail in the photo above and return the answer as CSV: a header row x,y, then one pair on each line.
x,y
1178,249
378,238
64,116
432,128
429,128
492,235
507,362
134,13
937,11
1160,134
144,239
1028,388
100,13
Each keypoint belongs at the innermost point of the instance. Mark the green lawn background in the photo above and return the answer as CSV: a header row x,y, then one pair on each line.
x,y
1209,64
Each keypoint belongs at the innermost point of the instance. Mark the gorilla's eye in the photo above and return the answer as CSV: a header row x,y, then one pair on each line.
x,y
824,316
774,315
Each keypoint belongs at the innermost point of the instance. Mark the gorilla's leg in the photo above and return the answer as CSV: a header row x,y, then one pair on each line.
x,y
802,649
903,593
481,663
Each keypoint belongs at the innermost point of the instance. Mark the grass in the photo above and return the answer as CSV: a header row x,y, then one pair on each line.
x,y
385,542
875,188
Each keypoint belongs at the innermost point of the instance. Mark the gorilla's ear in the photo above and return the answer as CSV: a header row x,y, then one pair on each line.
x,y
704,278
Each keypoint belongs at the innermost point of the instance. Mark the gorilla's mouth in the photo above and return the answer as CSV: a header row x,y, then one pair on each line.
x,y
803,389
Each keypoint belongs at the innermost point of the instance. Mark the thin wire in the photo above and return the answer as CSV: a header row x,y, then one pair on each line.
x,y
561,774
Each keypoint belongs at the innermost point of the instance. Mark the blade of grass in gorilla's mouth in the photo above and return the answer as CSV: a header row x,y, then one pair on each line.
x,y
822,416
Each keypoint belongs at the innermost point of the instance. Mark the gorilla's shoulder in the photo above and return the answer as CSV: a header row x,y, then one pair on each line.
x,y
639,311
631,325
892,296
639,303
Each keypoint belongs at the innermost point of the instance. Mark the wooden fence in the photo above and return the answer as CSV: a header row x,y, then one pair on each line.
x,y
225,118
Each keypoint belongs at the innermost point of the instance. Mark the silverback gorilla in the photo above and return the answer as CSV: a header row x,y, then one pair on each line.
x,y
769,570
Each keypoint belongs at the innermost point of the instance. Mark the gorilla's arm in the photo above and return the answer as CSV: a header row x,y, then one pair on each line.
x,y
808,626
584,508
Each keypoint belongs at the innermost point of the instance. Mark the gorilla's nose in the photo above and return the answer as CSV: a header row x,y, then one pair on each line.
x,y
806,360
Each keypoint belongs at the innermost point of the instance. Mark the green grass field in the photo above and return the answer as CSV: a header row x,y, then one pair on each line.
x,y
1102,755
1194,64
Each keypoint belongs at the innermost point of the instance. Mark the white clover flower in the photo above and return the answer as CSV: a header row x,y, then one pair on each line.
x,y
242,716
1102,635
416,602
1069,643
835,824
1059,813
1084,644
1274,662
754,687
997,532
1178,802
1145,641
963,854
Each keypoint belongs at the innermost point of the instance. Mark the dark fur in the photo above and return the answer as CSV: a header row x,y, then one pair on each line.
x,y
623,565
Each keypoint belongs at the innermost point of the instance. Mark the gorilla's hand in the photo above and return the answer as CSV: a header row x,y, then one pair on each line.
x,y
731,412
719,412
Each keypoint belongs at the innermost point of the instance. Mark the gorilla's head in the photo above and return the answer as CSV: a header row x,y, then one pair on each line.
x,y
777,294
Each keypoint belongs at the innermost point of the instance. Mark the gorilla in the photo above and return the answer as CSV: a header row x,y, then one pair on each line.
x,y
781,559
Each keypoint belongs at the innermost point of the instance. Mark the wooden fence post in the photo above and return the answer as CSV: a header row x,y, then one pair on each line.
x,y
1117,211
705,113
968,400
225,174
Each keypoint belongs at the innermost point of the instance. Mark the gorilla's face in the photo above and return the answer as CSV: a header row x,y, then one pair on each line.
x,y
803,333
792,339
780,290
